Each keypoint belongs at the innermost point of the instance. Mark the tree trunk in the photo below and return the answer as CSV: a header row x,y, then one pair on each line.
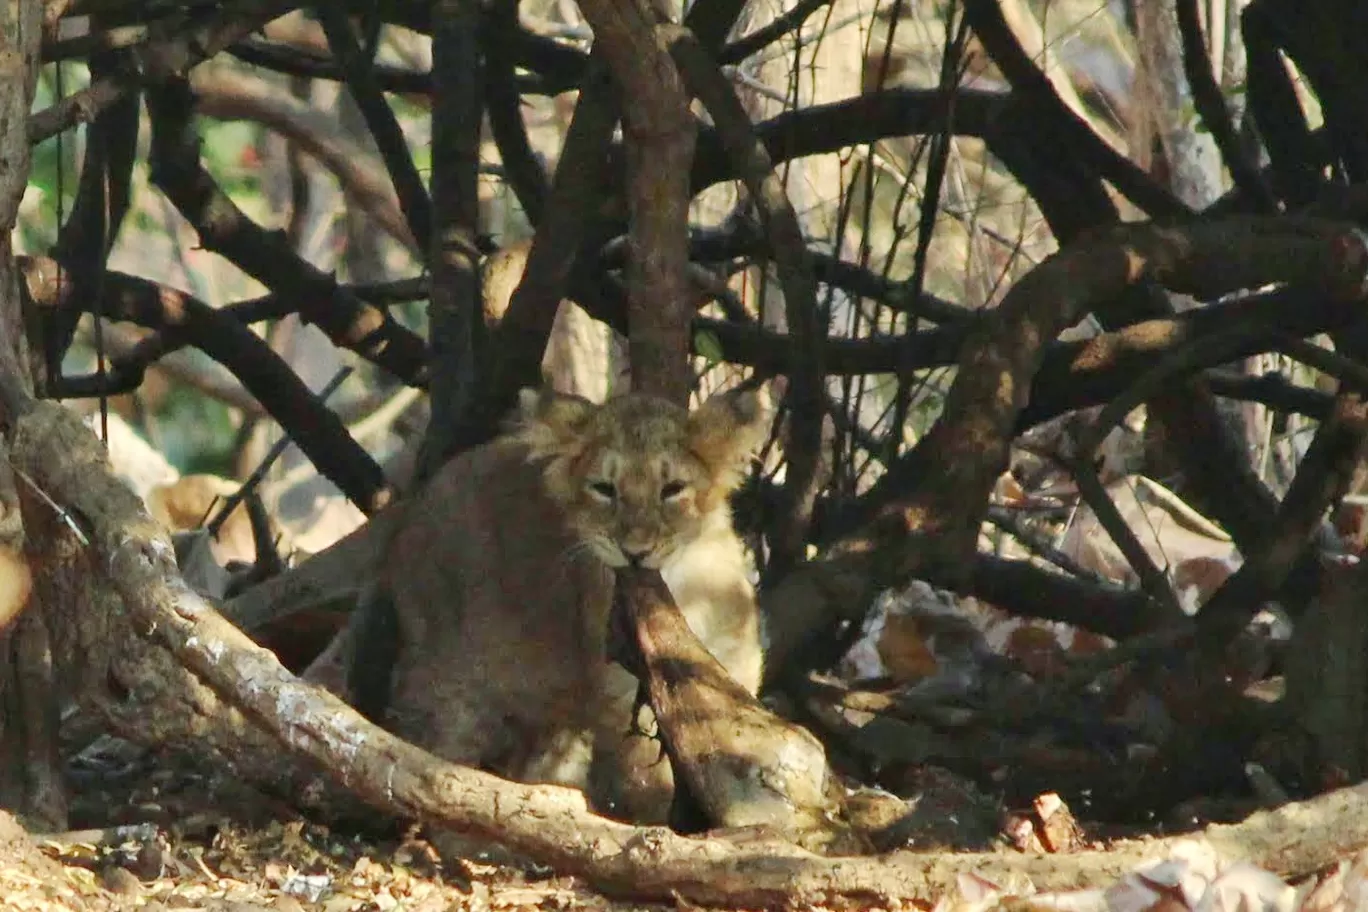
x,y
30,778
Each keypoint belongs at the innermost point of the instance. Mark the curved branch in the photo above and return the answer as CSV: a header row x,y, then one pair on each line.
x,y
1079,374
1072,135
865,119
226,94
546,823
314,428
226,230
157,345
1273,390
1323,476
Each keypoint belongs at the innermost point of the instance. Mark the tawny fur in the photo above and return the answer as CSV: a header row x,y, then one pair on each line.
x,y
500,576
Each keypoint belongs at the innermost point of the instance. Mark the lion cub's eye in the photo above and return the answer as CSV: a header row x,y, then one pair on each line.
x,y
603,489
671,489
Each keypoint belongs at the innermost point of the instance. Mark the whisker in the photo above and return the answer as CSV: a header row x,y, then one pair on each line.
x,y
575,550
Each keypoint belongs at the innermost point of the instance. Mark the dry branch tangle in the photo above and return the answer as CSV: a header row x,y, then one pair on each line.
x,y
549,824
929,527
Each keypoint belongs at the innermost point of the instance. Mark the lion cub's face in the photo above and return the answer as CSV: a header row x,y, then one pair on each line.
x,y
639,478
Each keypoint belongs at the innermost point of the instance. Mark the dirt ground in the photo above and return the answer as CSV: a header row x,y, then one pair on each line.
x,y
155,832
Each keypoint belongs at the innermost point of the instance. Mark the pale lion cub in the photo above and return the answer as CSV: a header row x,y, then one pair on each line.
x,y
501,583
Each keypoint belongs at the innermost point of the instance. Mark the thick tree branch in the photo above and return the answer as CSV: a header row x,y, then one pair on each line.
x,y
456,333
551,824
1080,374
659,133
156,345
31,769
1323,476
546,823
98,212
521,332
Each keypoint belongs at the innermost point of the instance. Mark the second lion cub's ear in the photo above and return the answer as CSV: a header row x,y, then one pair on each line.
x,y
548,421
726,430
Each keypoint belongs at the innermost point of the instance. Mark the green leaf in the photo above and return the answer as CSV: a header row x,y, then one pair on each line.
x,y
708,346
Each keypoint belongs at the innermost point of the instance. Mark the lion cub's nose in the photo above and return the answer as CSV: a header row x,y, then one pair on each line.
x,y
635,555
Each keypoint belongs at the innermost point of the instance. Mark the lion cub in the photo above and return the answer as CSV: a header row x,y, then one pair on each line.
x,y
500,578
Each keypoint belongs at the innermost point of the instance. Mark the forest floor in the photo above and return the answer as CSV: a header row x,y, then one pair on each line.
x,y
156,832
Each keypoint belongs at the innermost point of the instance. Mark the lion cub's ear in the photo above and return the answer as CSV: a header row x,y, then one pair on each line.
x,y
726,430
549,422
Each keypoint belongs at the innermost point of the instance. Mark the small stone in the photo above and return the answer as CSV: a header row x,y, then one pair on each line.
x,y
150,863
120,880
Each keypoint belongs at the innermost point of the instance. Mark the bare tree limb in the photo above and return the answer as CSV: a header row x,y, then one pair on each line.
x,y
98,212
546,823
986,18
228,94
503,105
225,229
31,779
179,51
659,135
1323,476
384,127
520,336
1211,106
293,60
551,824
761,38
316,429
456,330
806,389
180,366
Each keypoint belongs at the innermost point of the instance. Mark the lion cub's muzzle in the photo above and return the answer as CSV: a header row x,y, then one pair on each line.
x,y
643,553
